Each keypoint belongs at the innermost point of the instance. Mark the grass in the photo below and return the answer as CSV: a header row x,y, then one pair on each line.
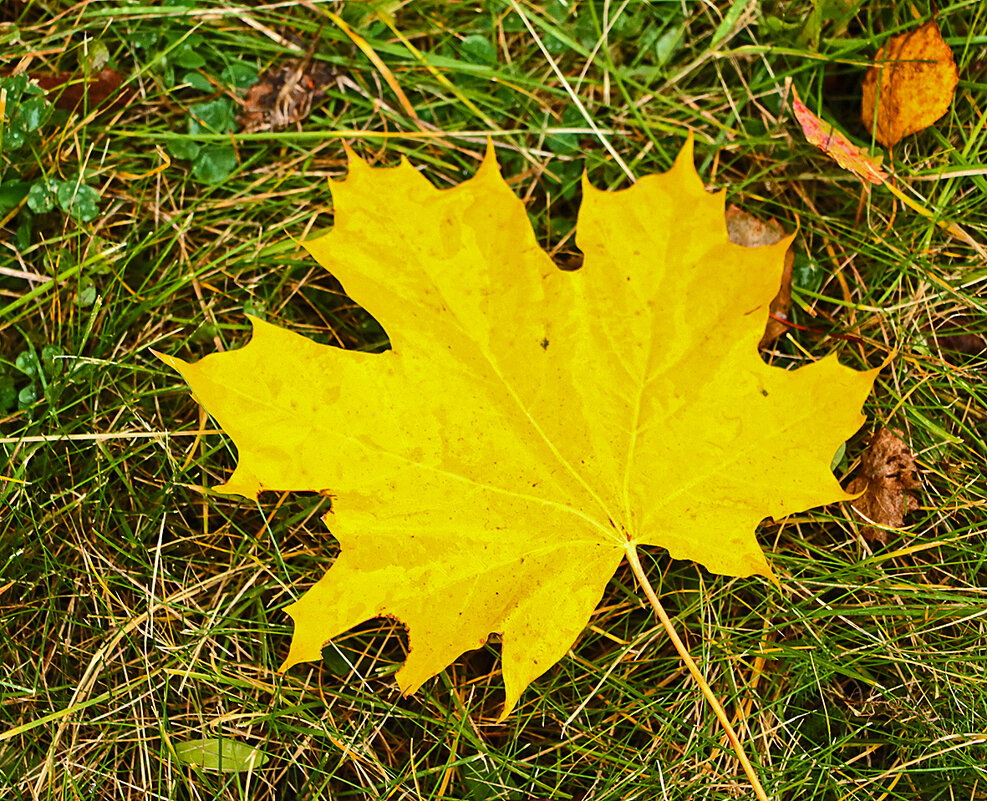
x,y
140,610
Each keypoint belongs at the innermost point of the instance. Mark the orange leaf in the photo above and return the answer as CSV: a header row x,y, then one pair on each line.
x,y
529,427
910,86
848,155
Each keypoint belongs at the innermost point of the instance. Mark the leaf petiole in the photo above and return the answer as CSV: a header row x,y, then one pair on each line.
x,y
631,553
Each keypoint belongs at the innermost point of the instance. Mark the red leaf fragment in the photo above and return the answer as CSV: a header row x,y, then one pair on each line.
x,y
848,155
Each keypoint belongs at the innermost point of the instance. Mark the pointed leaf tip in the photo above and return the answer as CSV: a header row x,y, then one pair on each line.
x,y
489,165
490,153
687,155
354,164
173,362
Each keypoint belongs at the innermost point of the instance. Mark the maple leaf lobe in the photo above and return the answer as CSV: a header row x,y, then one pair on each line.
x,y
528,424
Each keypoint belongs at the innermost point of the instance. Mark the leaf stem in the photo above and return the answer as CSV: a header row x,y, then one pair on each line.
x,y
642,579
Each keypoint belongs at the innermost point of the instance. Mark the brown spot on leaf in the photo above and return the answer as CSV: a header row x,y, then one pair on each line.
x,y
887,474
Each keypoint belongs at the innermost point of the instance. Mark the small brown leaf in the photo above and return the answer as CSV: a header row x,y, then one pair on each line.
x,y
910,86
750,232
886,476
67,90
957,337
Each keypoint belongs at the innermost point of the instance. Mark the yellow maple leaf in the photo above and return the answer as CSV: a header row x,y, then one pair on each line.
x,y
529,427
910,86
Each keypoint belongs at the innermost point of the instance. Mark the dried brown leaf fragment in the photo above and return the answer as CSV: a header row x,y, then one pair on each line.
x,y
284,95
70,90
887,476
959,337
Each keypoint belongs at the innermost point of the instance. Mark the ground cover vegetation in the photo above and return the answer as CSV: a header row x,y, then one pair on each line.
x,y
159,166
